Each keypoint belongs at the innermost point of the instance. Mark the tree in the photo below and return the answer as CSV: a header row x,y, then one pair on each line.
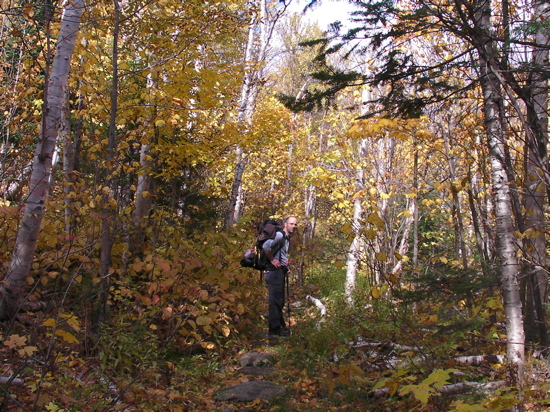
x,y
507,250
13,285
260,32
413,80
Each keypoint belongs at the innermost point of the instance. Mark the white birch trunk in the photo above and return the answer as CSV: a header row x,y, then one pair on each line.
x,y
506,241
355,247
13,285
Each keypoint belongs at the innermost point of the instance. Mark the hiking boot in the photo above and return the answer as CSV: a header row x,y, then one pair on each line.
x,y
279,333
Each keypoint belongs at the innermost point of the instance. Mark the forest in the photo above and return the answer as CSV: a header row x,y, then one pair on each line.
x,y
142,142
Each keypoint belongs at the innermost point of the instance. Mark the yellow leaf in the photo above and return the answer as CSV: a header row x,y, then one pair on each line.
x,y
49,322
67,336
347,228
375,220
160,123
370,233
375,292
381,256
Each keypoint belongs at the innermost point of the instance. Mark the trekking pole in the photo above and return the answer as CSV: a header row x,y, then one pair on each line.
x,y
288,298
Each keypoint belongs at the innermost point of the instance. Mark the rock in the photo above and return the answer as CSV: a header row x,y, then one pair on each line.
x,y
259,359
257,370
249,391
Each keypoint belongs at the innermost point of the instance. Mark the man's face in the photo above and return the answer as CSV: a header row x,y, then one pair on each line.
x,y
290,225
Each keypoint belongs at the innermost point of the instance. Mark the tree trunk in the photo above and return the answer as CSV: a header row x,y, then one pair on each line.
x,y
142,200
461,250
69,151
536,168
416,215
109,215
506,241
355,246
13,285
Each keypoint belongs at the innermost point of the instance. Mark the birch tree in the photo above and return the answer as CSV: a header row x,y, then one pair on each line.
x,y
505,230
354,251
13,285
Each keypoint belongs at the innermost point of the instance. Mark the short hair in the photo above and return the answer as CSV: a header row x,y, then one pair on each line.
x,y
284,220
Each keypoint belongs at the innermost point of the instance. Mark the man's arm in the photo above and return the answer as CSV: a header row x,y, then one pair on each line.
x,y
274,262
271,244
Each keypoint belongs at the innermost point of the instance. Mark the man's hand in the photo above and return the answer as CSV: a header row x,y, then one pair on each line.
x,y
276,263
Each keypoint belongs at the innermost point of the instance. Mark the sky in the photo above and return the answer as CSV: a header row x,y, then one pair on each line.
x,y
325,13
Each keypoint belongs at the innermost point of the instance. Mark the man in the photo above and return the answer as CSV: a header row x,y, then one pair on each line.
x,y
276,250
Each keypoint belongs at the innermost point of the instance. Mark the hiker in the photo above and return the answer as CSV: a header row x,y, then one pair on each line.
x,y
276,250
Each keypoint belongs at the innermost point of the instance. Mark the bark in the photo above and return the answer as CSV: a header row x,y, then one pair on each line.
x,y
416,215
479,237
142,200
457,217
403,247
480,359
69,149
355,246
14,283
536,168
506,242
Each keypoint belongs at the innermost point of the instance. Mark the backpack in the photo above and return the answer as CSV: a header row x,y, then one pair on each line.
x,y
255,257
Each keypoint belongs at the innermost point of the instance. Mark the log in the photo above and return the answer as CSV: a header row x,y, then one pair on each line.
x,y
478,360
318,304
360,343
457,388
11,381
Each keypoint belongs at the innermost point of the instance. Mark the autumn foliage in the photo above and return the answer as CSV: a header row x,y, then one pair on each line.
x,y
135,299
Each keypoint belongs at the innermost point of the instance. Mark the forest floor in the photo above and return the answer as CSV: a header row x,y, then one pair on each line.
x,y
325,365
377,360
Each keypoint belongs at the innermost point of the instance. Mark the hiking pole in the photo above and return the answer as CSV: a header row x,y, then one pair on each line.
x,y
287,281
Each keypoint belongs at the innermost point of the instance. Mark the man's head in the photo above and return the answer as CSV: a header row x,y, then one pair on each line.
x,y
290,224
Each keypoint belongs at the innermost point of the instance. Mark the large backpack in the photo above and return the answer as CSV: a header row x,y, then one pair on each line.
x,y
255,257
